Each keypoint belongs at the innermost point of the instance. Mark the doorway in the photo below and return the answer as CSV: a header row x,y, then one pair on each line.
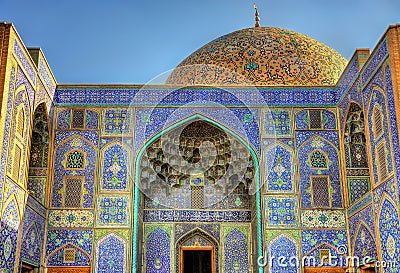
x,y
197,260
27,268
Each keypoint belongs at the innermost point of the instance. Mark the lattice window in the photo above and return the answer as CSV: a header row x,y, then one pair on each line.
x,y
75,160
69,255
318,160
197,197
73,192
378,122
16,163
324,255
20,120
320,189
315,119
78,119
382,161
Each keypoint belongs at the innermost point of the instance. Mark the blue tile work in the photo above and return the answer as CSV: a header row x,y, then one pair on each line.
x,y
328,120
358,187
91,136
365,216
360,204
113,210
45,74
277,123
387,188
60,170
26,64
211,229
313,240
92,119
36,185
111,254
10,221
348,76
58,239
364,245
236,259
34,204
353,95
303,136
283,246
377,99
6,135
281,211
32,237
115,174
150,121
22,81
196,216
393,120
301,120
279,168
157,248
64,119
377,57
125,96
389,229
116,122
306,172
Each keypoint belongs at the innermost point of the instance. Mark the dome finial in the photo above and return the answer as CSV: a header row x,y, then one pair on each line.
x,y
257,18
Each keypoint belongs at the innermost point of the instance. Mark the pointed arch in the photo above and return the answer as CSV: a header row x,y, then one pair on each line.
x,y
66,246
158,251
137,174
12,212
288,245
236,252
364,241
115,247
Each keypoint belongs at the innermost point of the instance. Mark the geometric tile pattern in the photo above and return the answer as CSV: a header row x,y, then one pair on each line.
x,y
281,211
116,122
313,238
113,210
364,244
278,123
358,187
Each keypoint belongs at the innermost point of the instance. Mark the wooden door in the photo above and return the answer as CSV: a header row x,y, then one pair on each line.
x,y
324,270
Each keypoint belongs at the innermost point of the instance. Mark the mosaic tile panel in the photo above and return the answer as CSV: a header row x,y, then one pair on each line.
x,y
281,211
348,77
358,187
71,218
32,237
360,204
283,246
116,122
36,188
58,238
236,258
373,62
60,170
114,168
8,247
113,210
149,122
279,96
388,234
35,205
45,74
306,172
212,229
389,188
277,123
26,64
301,120
328,120
157,249
366,217
313,238
111,253
364,245
279,168
92,119
196,216
323,219
6,130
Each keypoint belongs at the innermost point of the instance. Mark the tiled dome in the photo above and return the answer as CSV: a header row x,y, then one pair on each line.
x,y
261,56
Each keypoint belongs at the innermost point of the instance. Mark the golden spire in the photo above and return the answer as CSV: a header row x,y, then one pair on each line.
x,y
257,18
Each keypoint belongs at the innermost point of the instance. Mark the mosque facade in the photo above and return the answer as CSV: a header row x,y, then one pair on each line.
x,y
263,151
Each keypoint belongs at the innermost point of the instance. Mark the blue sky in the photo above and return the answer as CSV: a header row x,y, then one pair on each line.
x,y
132,41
